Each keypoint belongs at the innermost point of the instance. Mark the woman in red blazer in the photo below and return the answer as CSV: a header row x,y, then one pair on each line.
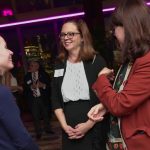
x,y
129,98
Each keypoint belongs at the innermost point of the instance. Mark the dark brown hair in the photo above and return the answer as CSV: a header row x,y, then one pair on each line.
x,y
134,16
87,51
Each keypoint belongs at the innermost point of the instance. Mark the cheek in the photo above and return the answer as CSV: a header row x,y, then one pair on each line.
x,y
120,36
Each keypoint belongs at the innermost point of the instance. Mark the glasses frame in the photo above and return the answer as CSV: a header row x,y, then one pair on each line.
x,y
69,35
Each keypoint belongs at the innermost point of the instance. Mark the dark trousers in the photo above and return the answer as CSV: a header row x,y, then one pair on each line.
x,y
40,111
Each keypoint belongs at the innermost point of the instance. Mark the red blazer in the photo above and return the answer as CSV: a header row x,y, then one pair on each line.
x,y
132,104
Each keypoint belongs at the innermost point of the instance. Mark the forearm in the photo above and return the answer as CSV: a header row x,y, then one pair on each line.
x,y
61,117
90,123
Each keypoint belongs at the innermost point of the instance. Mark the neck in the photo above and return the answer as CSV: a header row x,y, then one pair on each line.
x,y
1,72
73,56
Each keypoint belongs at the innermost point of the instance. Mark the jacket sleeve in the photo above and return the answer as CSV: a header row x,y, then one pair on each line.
x,y
56,91
135,92
10,118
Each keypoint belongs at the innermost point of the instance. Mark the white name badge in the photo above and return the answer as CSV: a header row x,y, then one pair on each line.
x,y
58,72
28,82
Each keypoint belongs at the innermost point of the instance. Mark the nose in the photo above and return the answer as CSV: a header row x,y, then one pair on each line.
x,y
10,52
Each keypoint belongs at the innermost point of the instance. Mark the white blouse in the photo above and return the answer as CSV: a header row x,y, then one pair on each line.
x,y
75,85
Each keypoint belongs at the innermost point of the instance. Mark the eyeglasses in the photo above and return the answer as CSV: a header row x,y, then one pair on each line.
x,y
69,35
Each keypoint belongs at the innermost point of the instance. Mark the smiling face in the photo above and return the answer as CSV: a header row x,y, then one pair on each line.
x,y
5,57
70,37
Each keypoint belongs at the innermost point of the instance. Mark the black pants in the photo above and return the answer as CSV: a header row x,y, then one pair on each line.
x,y
40,111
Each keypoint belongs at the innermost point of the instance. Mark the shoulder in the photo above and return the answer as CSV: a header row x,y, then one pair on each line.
x,y
59,64
98,61
6,97
5,93
143,61
3,90
99,58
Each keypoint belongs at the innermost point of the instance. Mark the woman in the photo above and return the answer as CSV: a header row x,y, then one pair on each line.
x,y
13,135
130,98
72,96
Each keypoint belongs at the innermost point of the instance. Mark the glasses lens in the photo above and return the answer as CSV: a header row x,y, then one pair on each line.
x,y
70,34
62,35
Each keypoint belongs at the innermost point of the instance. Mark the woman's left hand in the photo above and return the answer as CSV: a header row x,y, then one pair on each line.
x,y
97,112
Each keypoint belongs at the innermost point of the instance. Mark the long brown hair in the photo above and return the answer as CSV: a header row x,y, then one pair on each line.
x,y
87,51
134,16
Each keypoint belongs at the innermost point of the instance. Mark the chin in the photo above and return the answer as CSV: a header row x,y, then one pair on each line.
x,y
10,66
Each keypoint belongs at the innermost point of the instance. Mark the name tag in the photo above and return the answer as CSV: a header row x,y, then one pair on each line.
x,y
28,82
58,72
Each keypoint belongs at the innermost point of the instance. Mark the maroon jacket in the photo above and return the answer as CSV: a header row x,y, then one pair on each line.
x,y
132,104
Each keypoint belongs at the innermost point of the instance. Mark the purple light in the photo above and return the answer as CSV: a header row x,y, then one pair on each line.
x,y
7,12
108,9
52,18
42,19
148,3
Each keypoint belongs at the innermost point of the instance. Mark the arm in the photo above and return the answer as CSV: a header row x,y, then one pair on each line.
x,y
62,120
61,117
133,95
10,118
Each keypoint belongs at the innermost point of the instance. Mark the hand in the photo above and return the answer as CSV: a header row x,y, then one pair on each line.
x,y
97,112
34,86
82,128
69,131
108,72
40,84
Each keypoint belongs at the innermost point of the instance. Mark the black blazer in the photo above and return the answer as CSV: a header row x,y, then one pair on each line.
x,y
44,78
92,69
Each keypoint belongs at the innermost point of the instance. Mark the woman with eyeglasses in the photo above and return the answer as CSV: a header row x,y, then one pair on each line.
x,y
72,97
129,99
13,134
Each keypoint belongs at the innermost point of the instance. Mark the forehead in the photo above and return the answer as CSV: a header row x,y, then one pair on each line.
x,y
2,41
68,27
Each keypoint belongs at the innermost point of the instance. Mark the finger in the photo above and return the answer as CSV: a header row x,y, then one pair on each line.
x,y
71,134
78,132
90,112
79,136
77,126
98,118
96,110
101,118
72,137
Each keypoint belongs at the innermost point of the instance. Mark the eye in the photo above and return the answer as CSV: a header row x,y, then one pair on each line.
x,y
70,34
62,35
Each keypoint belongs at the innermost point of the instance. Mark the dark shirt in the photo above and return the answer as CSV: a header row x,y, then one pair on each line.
x,y
13,134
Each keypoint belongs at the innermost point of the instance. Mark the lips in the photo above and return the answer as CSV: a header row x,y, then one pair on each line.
x,y
67,43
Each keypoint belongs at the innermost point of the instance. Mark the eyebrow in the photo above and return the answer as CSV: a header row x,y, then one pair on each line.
x,y
69,31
